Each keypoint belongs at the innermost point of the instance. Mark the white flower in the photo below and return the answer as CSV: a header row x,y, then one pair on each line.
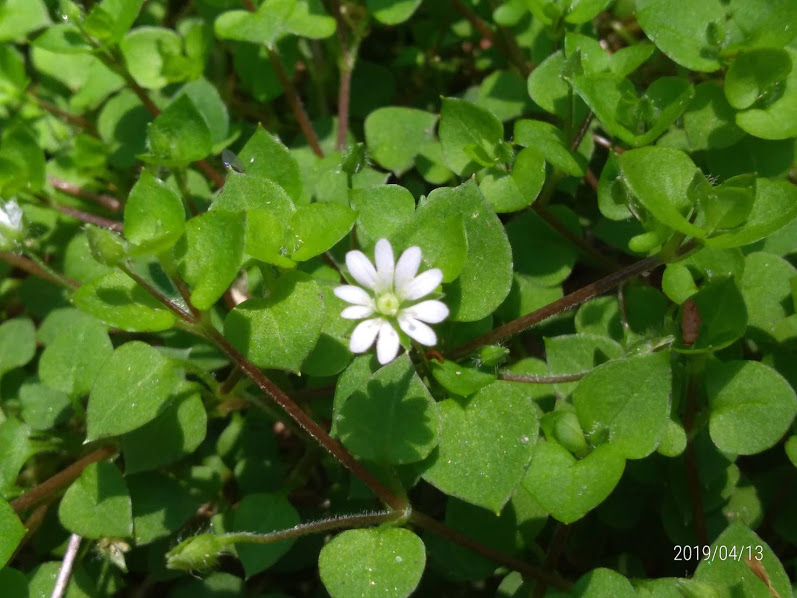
x,y
11,216
391,292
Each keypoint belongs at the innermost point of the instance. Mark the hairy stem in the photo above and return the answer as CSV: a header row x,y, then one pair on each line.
x,y
61,479
168,303
87,217
444,531
530,379
72,119
36,269
104,200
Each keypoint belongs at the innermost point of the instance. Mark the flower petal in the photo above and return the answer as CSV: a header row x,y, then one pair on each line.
x,y
422,285
353,294
361,269
406,268
385,263
357,312
387,346
417,330
364,335
431,311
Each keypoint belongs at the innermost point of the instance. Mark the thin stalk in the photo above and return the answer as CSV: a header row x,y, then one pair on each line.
x,y
529,379
72,119
61,479
65,572
38,269
168,303
488,552
575,298
87,217
104,200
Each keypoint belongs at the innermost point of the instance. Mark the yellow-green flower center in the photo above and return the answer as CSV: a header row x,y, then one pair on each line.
x,y
388,304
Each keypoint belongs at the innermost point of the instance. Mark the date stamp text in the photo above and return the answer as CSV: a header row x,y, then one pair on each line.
x,y
697,552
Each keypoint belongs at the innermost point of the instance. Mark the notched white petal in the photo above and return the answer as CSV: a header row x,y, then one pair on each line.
x,y
423,284
431,311
387,346
353,294
385,264
357,312
417,330
364,335
406,268
361,269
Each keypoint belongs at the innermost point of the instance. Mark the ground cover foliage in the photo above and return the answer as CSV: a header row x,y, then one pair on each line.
x,y
370,298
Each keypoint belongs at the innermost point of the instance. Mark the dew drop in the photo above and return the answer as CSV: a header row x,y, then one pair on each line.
x,y
399,559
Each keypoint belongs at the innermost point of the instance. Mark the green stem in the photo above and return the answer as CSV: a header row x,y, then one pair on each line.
x,y
529,379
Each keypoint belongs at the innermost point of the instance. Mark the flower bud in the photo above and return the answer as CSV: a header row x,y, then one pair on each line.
x,y
106,246
197,553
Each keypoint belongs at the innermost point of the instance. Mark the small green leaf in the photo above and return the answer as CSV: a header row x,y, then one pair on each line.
x,y
20,17
135,386
709,121
179,135
265,156
179,430
395,135
318,227
626,403
392,12
109,20
146,51
723,317
43,408
752,406
274,20
121,302
766,288
244,192
541,253
370,563
11,532
161,505
551,143
97,504
460,380
443,240
263,513
605,582
568,488
74,358
17,343
466,132
279,331
209,255
486,443
381,211
576,354
154,215
391,417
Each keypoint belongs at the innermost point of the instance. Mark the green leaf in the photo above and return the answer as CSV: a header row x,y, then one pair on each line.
x,y
391,417
207,100
97,504
146,51
265,156
486,443
735,573
551,143
43,579
395,136
179,135
486,277
179,430
20,17
381,211
659,178
540,253
263,513
244,192
122,124
465,131
549,89
369,563
752,406
209,255
766,288
154,215
568,488
578,353
510,192
709,121
16,447
11,532
64,38
626,403
43,408
274,20
723,317
17,343
460,380
318,227
601,583
121,302
109,20
636,120
71,362
135,386
14,583
279,331
727,205
775,205
392,12
161,505
443,240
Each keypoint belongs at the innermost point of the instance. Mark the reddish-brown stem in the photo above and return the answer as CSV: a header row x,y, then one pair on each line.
x,y
101,199
72,119
605,262
35,269
529,379
567,302
295,102
87,217
168,303
582,131
690,461
306,422
344,100
60,480
248,5
444,531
